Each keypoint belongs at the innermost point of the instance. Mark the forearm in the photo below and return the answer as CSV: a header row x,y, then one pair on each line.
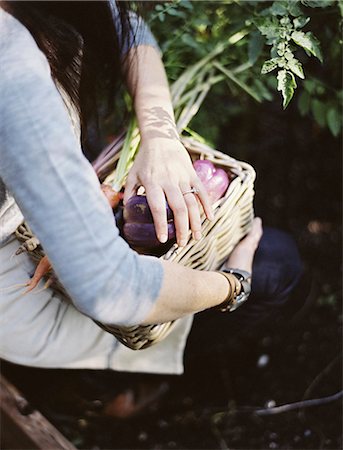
x,y
194,291
163,165
148,85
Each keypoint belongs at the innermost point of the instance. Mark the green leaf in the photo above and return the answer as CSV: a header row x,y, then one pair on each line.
x,y
176,13
293,8
273,52
188,40
319,112
309,42
281,47
304,103
186,4
300,22
334,121
286,22
287,85
310,86
269,27
279,8
340,5
263,90
270,65
296,67
231,76
255,46
318,3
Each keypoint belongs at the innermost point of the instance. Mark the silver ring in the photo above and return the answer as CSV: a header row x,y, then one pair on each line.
x,y
192,190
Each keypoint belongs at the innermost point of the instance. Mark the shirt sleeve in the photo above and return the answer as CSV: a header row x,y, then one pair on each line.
x,y
138,34
42,164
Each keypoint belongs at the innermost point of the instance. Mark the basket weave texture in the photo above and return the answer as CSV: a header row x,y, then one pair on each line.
x,y
233,215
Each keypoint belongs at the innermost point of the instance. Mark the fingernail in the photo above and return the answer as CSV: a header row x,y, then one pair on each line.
x,y
163,238
183,243
197,235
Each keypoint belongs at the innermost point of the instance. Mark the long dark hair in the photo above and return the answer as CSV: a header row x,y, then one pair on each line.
x,y
65,30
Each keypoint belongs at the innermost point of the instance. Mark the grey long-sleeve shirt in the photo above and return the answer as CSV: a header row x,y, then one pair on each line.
x,y
55,187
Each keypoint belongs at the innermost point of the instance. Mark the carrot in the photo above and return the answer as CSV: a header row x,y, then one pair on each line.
x,y
42,269
112,196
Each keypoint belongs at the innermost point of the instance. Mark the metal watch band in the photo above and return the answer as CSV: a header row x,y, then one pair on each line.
x,y
242,276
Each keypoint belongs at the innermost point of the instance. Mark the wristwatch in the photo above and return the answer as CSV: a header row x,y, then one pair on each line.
x,y
233,302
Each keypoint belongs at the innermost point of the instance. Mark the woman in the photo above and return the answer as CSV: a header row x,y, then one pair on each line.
x,y
53,59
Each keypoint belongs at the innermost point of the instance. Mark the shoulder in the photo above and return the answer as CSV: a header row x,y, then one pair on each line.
x,y
138,32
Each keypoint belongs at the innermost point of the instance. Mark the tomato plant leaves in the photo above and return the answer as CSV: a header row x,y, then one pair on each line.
x,y
287,85
270,65
308,42
334,121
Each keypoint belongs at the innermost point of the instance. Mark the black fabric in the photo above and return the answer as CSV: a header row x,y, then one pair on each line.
x,y
276,279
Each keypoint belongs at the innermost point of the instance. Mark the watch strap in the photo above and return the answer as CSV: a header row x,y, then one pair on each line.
x,y
239,289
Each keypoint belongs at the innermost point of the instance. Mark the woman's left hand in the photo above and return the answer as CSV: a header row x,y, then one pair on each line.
x,y
164,168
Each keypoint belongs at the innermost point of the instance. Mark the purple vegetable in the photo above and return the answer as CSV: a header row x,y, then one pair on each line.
x,y
204,169
215,180
137,210
139,229
143,235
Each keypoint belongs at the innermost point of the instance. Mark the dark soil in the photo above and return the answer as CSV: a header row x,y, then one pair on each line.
x,y
298,189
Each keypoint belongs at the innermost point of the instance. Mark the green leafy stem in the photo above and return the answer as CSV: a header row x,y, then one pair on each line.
x,y
282,25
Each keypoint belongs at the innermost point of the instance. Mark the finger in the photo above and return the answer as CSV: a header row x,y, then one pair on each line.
x,y
193,212
178,206
130,188
204,199
157,204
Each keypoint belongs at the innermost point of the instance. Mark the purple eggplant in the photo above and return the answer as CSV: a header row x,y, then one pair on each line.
x,y
137,210
139,230
143,235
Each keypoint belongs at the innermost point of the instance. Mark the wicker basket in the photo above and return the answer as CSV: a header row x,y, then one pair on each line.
x,y
233,215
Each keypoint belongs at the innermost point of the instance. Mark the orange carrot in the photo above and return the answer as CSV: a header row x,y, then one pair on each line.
x,y
42,269
112,196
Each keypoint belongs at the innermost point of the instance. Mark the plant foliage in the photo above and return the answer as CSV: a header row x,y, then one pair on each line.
x,y
266,47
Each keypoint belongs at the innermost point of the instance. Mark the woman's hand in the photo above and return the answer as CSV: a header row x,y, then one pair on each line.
x,y
162,165
164,168
242,255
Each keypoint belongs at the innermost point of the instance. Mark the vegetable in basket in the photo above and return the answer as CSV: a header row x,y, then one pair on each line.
x,y
139,230
214,179
128,143
113,197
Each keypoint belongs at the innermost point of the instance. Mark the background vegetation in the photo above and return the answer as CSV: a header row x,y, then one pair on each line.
x,y
267,46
